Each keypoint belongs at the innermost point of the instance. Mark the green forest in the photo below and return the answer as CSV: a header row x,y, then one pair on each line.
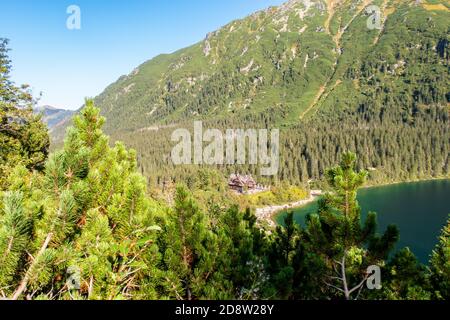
x,y
327,81
82,222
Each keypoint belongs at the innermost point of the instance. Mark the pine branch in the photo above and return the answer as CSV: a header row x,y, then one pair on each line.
x,y
91,287
359,285
24,282
174,287
334,287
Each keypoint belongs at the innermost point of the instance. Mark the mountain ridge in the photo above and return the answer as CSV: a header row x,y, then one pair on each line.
x,y
54,117
193,68
147,93
319,71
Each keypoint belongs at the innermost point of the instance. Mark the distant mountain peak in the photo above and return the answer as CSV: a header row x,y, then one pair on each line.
x,y
54,117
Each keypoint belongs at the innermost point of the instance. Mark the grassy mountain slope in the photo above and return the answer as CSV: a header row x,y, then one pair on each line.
x,y
289,57
312,67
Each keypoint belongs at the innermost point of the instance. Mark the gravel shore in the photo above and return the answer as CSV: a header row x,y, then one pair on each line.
x,y
266,214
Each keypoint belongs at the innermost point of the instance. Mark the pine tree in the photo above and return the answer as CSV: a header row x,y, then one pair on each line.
x,y
243,250
192,254
15,232
404,278
347,246
440,266
286,242
23,137
88,215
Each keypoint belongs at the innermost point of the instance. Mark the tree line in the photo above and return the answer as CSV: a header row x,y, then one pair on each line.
x,y
87,217
82,224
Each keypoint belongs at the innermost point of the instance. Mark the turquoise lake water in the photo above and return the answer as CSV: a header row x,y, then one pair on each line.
x,y
419,209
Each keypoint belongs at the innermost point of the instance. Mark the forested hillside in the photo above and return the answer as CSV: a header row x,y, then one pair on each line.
x,y
294,59
312,68
81,224
85,229
96,220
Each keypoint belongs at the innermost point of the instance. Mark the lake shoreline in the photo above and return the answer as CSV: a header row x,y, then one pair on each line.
x,y
268,214
385,184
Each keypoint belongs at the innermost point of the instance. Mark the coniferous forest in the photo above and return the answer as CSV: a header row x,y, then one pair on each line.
x,y
85,212
92,206
381,94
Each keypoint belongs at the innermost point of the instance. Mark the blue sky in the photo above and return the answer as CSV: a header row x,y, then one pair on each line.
x,y
115,37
